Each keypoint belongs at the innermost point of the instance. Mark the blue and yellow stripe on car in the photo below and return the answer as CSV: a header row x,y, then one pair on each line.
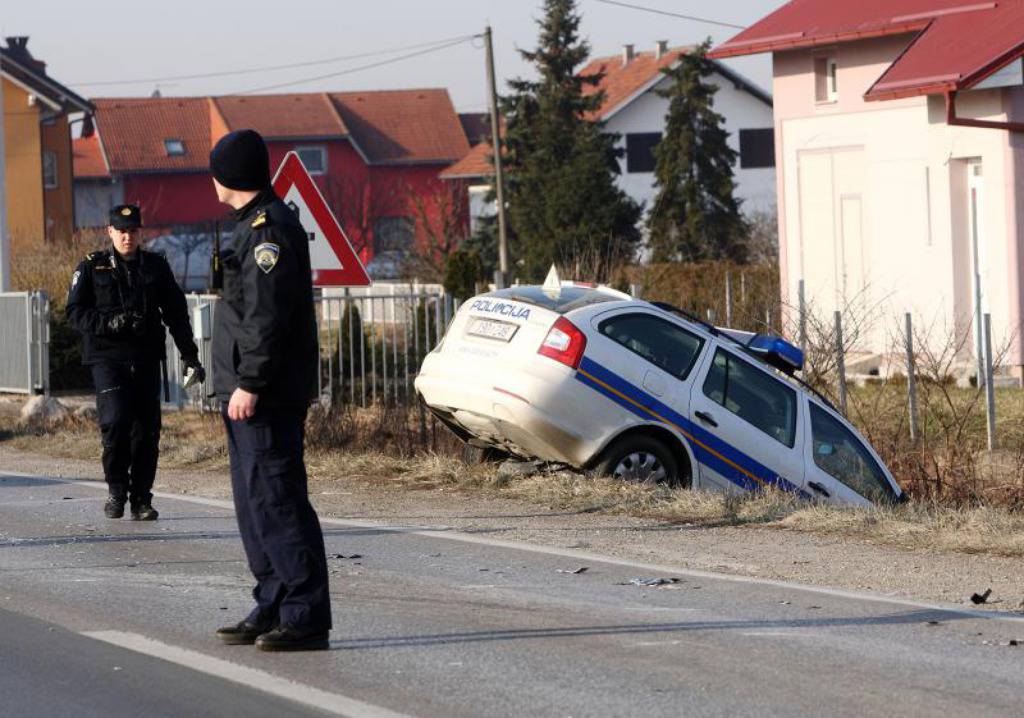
x,y
718,455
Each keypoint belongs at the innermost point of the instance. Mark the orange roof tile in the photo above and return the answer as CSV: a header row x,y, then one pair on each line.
x,y
403,126
88,158
475,164
134,130
299,115
622,81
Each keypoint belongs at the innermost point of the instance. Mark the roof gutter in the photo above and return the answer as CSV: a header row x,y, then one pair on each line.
x,y
955,121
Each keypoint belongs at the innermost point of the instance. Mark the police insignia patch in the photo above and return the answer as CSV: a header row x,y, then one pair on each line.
x,y
261,219
127,212
266,256
74,279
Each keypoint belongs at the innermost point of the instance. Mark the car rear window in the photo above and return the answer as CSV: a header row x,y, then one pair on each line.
x,y
567,300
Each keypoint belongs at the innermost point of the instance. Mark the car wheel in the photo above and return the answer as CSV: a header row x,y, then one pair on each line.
x,y
640,459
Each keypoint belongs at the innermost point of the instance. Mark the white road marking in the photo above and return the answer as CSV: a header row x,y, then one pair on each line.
x,y
583,556
250,677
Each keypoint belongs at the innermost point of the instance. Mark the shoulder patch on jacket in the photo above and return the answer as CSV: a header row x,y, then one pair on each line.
x,y
266,256
261,219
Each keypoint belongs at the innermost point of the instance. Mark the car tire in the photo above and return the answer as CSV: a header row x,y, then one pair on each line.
x,y
641,459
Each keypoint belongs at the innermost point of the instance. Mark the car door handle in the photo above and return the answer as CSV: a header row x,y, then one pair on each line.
x,y
819,488
706,418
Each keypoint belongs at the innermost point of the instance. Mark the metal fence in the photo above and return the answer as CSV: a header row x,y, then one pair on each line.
x,y
371,346
25,342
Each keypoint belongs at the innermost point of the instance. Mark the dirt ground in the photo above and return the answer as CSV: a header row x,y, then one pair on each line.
x,y
772,553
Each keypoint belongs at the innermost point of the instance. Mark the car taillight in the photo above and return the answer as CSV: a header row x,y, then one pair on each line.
x,y
564,343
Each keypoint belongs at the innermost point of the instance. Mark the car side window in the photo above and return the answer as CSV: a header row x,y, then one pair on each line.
x,y
753,395
841,455
660,342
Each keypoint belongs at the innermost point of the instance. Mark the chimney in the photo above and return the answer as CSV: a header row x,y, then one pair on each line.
x,y
627,54
17,50
660,49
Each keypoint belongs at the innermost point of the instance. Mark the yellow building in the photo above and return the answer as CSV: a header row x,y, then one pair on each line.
x,y
38,112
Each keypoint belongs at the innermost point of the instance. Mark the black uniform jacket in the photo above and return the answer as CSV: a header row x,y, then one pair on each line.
x,y
104,284
264,336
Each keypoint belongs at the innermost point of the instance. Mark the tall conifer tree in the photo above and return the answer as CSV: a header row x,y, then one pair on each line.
x,y
695,216
563,199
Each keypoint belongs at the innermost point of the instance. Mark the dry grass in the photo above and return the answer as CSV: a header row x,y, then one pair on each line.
x,y
196,442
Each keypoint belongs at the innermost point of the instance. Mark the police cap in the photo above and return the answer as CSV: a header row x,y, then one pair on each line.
x,y
125,217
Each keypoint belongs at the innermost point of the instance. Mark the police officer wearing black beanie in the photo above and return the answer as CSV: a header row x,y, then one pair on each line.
x,y
265,359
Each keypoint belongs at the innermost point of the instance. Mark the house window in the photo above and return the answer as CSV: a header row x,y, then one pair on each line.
x,y
757,148
174,147
314,159
640,151
49,169
826,79
392,244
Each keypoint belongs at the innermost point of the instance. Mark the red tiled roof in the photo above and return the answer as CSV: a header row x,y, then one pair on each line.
x,y
475,164
622,81
133,131
88,158
300,115
958,43
403,126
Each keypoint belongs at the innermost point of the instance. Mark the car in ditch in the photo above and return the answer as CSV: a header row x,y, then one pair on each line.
x,y
587,376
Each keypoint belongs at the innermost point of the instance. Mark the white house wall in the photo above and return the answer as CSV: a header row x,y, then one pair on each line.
x,y
905,170
741,110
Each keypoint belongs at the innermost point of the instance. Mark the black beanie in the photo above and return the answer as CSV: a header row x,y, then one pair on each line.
x,y
240,161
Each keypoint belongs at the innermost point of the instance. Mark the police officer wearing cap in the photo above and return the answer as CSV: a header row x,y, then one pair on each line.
x,y
120,300
265,359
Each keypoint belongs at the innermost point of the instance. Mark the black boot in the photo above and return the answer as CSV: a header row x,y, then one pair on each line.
x,y
144,512
114,508
242,633
291,639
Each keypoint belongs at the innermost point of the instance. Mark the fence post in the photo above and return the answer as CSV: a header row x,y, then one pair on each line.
x,y
768,320
743,290
911,377
728,300
990,392
802,305
841,361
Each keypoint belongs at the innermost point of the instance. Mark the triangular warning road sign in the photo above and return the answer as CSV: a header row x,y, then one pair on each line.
x,y
334,262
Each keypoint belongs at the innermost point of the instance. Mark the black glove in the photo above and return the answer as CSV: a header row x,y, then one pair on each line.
x,y
116,323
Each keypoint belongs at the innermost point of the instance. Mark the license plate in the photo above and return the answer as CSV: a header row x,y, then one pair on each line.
x,y
502,331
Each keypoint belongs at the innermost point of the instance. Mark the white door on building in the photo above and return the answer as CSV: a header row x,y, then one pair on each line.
x,y
979,249
834,255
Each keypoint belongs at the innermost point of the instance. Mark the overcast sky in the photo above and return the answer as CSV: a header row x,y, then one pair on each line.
x,y
90,41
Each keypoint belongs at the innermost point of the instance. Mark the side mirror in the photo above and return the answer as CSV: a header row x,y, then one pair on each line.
x,y
826,449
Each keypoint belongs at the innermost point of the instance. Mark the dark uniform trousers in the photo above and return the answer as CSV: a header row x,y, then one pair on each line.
x,y
280,530
128,409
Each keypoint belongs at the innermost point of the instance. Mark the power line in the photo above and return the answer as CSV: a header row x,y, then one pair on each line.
x,y
271,68
670,14
351,70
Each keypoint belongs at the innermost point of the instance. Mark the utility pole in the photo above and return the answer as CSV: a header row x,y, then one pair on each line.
x,y
5,239
502,278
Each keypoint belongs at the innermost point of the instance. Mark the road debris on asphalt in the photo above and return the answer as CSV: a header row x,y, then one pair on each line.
x,y
980,598
651,582
343,556
574,571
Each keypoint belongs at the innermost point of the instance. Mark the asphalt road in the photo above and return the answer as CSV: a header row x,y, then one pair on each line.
x,y
113,618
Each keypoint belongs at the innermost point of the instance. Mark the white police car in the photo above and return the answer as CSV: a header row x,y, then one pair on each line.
x,y
593,378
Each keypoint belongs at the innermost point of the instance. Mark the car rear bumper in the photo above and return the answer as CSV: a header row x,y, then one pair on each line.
x,y
505,418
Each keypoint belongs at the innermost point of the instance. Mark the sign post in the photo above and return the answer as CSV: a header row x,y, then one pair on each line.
x,y
332,258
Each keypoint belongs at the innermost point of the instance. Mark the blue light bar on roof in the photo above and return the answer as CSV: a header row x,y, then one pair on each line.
x,y
777,352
